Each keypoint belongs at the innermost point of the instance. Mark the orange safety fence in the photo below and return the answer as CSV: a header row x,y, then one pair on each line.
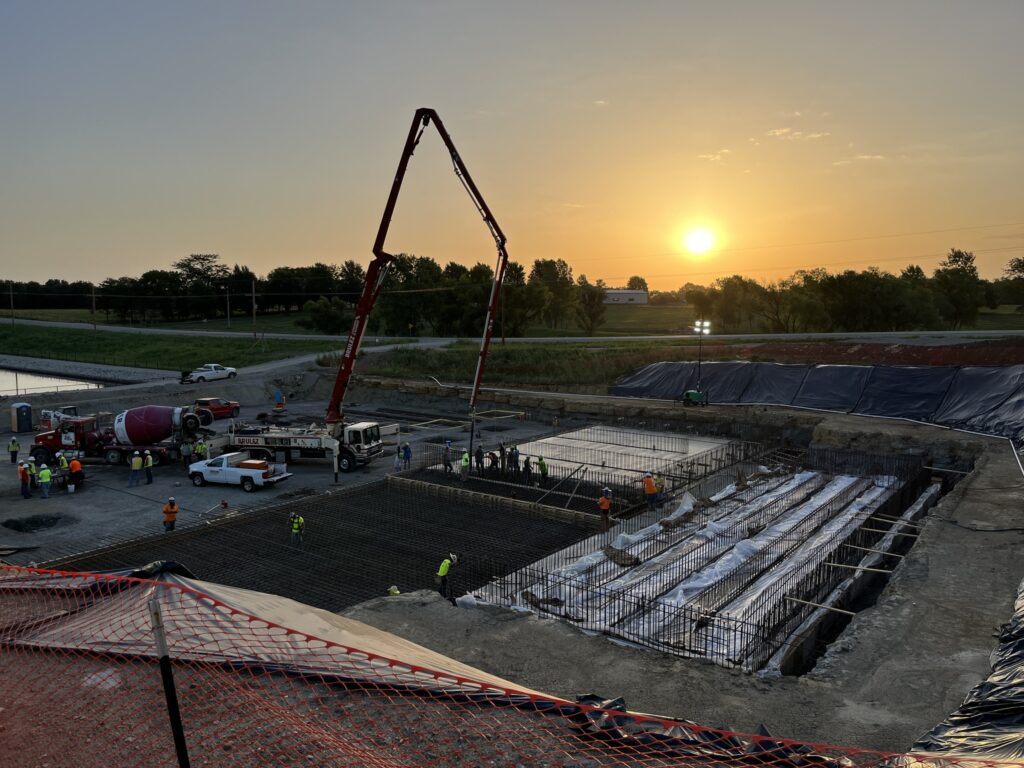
x,y
80,685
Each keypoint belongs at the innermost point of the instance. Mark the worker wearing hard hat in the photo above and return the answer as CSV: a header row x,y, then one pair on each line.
x,y
136,469
604,504
14,447
171,510
45,478
24,478
147,464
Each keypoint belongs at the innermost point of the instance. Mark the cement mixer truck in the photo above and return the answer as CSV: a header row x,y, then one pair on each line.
x,y
159,429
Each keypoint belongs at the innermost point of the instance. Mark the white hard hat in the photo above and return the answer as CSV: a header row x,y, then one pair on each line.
x,y
60,453
171,498
146,451
32,458
43,466
136,453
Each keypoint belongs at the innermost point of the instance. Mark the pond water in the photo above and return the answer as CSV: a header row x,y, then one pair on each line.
x,y
15,383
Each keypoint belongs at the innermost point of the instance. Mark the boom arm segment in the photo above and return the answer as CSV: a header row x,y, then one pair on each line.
x,y
376,272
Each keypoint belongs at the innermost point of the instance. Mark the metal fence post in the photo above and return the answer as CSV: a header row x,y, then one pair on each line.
x,y
168,679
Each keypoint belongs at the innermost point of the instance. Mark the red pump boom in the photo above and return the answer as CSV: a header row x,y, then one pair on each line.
x,y
378,268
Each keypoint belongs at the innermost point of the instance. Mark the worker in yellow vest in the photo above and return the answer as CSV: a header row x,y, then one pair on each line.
x,y
62,461
14,447
33,472
45,476
147,464
442,575
297,524
136,467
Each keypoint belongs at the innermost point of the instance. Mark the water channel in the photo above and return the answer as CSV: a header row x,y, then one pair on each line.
x,y
17,383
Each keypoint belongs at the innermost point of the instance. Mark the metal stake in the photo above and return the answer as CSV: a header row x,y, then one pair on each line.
x,y
167,673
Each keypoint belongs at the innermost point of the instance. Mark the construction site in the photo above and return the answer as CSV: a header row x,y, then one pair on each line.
x,y
744,563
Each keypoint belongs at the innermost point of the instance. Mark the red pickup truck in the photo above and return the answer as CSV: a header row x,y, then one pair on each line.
x,y
219,407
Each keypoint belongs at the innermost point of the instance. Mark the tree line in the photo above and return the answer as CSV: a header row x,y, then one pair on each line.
x,y
420,297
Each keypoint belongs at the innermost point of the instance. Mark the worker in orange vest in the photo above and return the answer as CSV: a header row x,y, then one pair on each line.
x,y
650,491
605,505
23,476
77,475
170,514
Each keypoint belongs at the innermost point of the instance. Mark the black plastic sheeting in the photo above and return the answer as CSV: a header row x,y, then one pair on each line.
x,y
990,722
981,399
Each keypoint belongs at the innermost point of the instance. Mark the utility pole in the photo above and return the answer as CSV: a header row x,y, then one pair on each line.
x,y
254,307
10,286
93,307
227,290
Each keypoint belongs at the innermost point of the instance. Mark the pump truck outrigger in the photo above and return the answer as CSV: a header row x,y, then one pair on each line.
x,y
378,268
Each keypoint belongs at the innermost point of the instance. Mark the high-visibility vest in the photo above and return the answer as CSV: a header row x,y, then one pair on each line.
x,y
45,475
200,448
136,462
298,523
14,445
23,474
148,461
32,468
63,462
465,459
76,465
649,486
604,503
659,483
445,565
170,513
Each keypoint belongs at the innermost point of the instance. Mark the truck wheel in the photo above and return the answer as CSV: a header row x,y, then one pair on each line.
x,y
113,456
200,379
261,455
248,485
231,375
41,455
191,422
197,479
346,463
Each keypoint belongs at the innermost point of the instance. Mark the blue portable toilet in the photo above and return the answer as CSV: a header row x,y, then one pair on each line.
x,y
21,417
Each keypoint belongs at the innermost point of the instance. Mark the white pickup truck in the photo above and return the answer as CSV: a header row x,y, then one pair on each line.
x,y
237,469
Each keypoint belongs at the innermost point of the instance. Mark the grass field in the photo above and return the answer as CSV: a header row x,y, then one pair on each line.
x,y
620,320
176,353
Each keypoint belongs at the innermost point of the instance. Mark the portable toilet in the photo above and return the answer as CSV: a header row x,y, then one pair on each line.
x,y
21,417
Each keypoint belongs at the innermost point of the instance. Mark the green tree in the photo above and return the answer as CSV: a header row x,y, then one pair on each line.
x,y
636,283
522,303
326,315
958,289
556,276
590,304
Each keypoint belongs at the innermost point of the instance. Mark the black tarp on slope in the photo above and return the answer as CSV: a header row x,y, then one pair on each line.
x,y
990,722
725,381
665,381
774,383
905,392
977,391
832,387
983,399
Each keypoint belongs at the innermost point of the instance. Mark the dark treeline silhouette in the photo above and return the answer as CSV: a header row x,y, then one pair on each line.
x,y
420,297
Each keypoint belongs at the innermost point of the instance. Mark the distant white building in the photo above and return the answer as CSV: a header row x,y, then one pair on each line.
x,y
624,296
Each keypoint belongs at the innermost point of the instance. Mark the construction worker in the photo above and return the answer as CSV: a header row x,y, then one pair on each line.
x,y
464,465
62,461
136,469
406,456
513,462
492,462
23,477
442,575
479,459
33,473
542,467
14,447
171,510
659,484
604,504
200,449
503,458
77,475
446,457
650,491
186,454
297,524
527,471
147,464
45,477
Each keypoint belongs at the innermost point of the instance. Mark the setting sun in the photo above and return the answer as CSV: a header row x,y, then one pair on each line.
x,y
699,240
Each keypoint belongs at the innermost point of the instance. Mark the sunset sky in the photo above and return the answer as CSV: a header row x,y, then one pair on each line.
x,y
801,134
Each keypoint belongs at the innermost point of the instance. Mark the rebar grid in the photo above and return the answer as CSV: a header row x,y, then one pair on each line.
x,y
356,545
